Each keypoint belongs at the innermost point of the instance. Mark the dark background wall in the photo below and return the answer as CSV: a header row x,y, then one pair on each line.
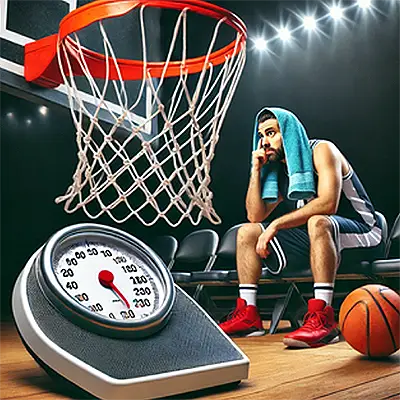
x,y
343,85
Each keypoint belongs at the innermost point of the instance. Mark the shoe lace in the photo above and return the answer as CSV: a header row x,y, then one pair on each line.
x,y
313,320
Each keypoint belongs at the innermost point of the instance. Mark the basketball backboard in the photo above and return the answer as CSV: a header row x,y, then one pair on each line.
x,y
25,21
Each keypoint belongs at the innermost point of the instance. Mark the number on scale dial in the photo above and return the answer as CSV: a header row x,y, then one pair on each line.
x,y
78,272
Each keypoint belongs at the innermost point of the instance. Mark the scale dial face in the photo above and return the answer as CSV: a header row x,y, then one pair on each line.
x,y
106,280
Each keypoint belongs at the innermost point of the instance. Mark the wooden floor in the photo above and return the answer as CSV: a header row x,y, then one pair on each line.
x,y
276,373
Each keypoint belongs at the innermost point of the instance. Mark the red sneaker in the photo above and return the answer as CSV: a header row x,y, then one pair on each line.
x,y
243,321
319,329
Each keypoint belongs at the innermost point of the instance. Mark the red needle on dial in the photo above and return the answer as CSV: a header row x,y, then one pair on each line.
x,y
106,278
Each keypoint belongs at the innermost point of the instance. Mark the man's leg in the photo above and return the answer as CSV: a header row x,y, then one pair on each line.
x,y
245,319
290,247
323,257
319,327
248,261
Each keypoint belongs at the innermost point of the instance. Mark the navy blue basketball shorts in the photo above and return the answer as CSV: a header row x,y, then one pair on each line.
x,y
354,241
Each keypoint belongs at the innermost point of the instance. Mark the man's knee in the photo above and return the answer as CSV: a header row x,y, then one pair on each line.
x,y
248,234
319,225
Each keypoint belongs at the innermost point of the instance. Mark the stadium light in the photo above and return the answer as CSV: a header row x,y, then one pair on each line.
x,y
260,43
336,12
309,23
364,3
284,34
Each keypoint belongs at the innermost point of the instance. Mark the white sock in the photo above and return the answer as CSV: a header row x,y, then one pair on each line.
x,y
324,291
248,292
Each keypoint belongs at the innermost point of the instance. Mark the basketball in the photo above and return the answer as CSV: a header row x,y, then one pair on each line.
x,y
369,320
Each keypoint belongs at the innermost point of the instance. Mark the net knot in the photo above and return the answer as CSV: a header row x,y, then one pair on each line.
x,y
122,117
146,145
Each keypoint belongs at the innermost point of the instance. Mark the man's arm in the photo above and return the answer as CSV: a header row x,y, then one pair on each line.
x,y
328,166
257,209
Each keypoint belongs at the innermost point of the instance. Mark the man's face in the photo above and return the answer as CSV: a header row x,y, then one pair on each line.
x,y
271,139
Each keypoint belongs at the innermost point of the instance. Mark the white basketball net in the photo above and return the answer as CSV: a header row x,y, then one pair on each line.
x,y
169,170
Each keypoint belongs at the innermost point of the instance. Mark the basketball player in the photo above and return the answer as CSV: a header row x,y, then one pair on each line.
x,y
313,231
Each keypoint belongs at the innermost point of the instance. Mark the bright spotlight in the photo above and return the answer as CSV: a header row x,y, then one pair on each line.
x,y
43,110
260,43
10,115
336,12
284,34
364,3
309,23
28,121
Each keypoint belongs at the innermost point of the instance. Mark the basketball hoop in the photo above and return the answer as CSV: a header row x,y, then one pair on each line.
x,y
128,169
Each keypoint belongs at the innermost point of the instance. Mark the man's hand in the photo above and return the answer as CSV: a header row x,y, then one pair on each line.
x,y
259,156
264,239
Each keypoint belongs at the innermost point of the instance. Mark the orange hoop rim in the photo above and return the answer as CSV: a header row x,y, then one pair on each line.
x,y
40,56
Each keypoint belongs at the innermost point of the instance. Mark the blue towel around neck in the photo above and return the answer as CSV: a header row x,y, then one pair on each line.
x,y
298,157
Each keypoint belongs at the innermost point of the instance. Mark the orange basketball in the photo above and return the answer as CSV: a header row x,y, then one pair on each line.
x,y
369,320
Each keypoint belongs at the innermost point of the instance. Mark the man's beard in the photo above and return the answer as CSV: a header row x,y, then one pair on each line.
x,y
278,155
